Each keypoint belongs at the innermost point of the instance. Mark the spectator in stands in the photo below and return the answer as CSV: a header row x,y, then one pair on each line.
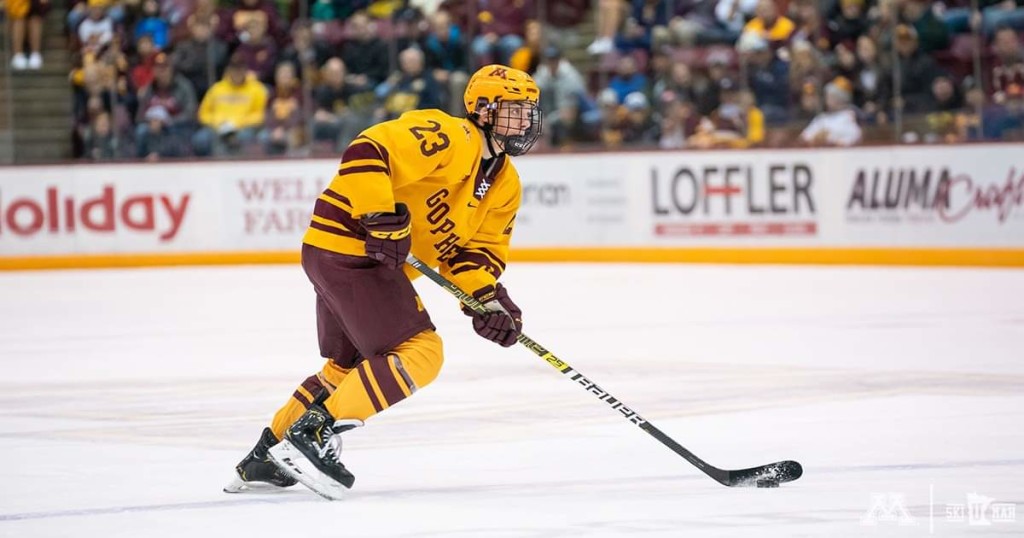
x,y
562,89
141,72
500,26
808,104
811,25
427,7
726,126
837,125
26,14
528,57
679,121
283,130
336,119
236,23
99,140
258,50
1005,13
304,53
173,123
694,23
1008,67
805,67
993,14
706,88
154,137
445,53
638,127
627,78
633,37
560,83
97,30
732,15
79,10
849,23
646,27
982,119
932,33
200,57
409,28
883,18
231,113
872,82
411,87
609,15
771,26
679,83
365,55
208,12
153,25
946,104
917,70
767,77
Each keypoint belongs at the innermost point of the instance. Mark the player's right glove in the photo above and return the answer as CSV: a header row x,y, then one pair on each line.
x,y
504,320
388,236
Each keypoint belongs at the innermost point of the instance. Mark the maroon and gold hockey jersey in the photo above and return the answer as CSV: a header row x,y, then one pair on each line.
x,y
462,215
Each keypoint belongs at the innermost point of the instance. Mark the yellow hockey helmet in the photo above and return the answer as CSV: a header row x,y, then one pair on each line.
x,y
515,127
496,83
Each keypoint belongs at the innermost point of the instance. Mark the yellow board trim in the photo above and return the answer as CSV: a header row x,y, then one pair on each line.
x,y
794,256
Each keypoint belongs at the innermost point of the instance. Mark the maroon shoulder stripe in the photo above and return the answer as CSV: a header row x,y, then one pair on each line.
x,y
330,211
386,380
331,194
362,170
366,148
332,230
368,387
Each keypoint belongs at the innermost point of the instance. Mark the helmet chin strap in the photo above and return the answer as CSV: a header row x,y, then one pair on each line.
x,y
488,137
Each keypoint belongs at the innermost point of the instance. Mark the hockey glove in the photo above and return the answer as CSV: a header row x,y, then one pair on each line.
x,y
504,321
388,236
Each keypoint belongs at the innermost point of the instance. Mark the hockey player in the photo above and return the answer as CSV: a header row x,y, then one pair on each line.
x,y
441,187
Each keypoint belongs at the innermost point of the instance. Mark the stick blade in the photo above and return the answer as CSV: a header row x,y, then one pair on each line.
x,y
780,471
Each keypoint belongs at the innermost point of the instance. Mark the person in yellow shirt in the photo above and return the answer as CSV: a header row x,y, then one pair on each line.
x,y
232,111
440,187
770,25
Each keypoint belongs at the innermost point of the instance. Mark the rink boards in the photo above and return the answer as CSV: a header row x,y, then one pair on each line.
x,y
941,205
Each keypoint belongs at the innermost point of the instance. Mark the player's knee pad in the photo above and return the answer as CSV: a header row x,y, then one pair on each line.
x,y
419,359
332,374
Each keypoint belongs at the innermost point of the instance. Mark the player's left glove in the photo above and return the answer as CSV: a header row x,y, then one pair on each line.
x,y
389,236
504,320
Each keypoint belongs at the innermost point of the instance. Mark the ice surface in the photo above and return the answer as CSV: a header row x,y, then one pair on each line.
x,y
126,398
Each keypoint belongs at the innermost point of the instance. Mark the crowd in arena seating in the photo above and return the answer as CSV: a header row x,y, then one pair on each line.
x,y
179,78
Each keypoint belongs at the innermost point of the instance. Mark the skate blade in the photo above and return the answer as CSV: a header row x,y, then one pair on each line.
x,y
237,485
290,460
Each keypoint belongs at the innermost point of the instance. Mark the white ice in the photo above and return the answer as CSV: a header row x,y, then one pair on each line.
x,y
126,398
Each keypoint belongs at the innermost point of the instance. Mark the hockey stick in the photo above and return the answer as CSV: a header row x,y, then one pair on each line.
x,y
770,475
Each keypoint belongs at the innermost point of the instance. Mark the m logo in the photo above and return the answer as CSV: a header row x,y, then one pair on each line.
x,y
887,508
499,72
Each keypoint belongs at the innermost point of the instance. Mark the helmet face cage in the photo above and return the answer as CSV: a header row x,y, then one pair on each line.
x,y
521,124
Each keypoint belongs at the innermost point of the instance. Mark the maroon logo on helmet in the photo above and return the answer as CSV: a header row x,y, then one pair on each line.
x,y
499,72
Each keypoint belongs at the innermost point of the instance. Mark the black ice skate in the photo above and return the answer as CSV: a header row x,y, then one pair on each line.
x,y
256,471
311,450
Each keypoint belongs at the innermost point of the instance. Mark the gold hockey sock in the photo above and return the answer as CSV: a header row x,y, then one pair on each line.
x,y
382,381
327,379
